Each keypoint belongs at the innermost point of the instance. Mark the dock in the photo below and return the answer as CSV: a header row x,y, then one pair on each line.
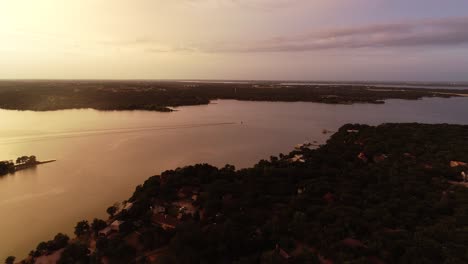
x,y
28,166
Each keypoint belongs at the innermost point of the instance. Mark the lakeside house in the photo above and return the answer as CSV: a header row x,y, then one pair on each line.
x,y
282,253
188,192
379,158
165,221
113,227
297,158
455,164
363,157
158,209
301,190
128,206
305,145
185,207
105,232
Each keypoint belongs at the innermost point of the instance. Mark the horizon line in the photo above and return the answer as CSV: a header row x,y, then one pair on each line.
x,y
243,80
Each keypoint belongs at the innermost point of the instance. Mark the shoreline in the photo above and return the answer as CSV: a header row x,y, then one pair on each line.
x,y
209,199
29,166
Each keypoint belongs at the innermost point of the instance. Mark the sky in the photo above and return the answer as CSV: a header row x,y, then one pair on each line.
x,y
335,40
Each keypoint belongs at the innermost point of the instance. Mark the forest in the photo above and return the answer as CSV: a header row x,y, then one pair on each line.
x,y
164,95
392,193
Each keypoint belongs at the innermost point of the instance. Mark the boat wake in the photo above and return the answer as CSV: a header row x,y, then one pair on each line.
x,y
87,133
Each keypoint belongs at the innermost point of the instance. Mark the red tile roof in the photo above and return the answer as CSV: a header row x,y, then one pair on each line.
x,y
165,220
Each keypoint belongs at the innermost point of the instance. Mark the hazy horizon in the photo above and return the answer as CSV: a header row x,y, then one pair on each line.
x,y
409,82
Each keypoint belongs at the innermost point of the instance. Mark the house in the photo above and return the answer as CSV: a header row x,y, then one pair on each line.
x,y
282,253
105,232
379,158
428,166
306,145
115,226
128,206
353,131
165,221
455,164
188,192
158,209
186,207
301,190
363,157
297,158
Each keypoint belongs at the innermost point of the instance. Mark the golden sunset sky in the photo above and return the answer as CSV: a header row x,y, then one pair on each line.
x,y
234,39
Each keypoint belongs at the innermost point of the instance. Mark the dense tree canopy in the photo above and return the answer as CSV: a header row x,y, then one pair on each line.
x,y
385,194
160,96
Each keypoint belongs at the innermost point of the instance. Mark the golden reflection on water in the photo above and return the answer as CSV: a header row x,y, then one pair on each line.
x,y
102,156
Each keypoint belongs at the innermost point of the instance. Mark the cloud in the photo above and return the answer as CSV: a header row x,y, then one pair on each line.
x,y
257,4
448,31
418,33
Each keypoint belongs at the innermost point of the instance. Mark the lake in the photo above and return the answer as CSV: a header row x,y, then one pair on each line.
x,y
102,156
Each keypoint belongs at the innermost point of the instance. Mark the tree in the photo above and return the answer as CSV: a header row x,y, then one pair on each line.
x,y
75,253
112,210
82,228
97,225
10,260
6,167
21,160
61,240
32,159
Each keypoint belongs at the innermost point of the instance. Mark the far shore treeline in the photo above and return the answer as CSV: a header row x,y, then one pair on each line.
x,y
163,95
395,193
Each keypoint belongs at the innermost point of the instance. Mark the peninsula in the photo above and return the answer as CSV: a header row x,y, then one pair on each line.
x,y
386,194
22,163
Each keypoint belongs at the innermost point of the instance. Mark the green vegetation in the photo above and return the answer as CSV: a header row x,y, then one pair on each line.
x,y
385,194
46,248
22,163
10,260
26,160
6,167
160,96
82,228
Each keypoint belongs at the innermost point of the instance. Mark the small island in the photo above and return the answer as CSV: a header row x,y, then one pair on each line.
x,y
22,163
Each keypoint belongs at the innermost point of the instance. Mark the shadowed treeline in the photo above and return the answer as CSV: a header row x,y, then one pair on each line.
x,y
162,95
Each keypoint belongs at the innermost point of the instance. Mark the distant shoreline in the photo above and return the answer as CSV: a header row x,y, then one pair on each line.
x,y
163,96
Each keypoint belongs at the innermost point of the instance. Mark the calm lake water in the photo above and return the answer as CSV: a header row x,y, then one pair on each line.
x,y
102,156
